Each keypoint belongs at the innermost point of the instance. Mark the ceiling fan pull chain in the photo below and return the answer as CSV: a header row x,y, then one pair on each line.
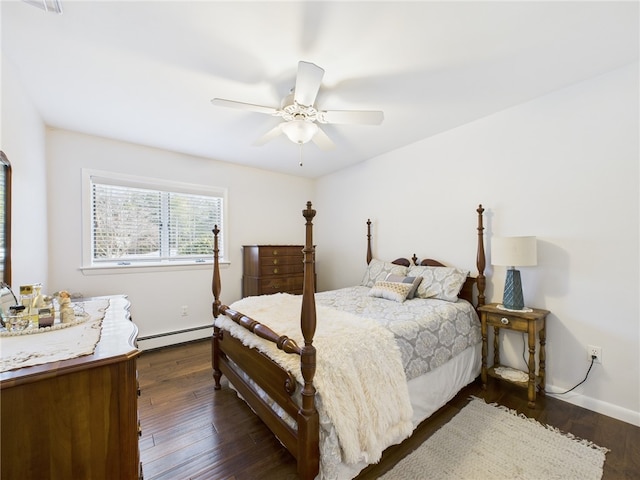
x,y
300,153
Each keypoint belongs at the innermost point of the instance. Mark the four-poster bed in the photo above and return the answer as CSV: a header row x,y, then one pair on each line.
x,y
311,404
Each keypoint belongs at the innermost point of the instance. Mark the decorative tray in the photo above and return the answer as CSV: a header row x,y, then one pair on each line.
x,y
80,317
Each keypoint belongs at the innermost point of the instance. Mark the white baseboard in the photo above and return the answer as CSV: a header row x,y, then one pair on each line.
x,y
604,408
173,338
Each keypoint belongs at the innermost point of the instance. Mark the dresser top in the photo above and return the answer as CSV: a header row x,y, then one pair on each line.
x,y
117,342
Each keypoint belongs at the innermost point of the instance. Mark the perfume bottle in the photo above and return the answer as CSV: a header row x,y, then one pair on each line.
x,y
27,299
17,319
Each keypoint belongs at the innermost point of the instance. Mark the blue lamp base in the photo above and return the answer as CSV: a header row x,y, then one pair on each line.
x,y
512,298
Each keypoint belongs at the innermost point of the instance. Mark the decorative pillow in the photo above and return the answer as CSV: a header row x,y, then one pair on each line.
x,y
443,283
377,270
391,290
414,281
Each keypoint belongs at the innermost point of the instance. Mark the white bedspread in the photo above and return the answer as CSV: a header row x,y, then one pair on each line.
x,y
429,332
360,377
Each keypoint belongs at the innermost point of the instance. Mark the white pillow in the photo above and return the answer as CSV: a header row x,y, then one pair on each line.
x,y
443,283
395,291
377,270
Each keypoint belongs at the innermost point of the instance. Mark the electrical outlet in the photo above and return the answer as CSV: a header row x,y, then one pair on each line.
x,y
593,351
185,310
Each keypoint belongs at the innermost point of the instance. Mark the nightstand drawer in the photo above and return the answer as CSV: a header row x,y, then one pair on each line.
x,y
507,321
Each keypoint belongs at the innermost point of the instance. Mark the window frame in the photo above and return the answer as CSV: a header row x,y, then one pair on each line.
x,y
126,180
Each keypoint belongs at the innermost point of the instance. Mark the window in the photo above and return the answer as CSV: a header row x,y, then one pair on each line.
x,y
131,221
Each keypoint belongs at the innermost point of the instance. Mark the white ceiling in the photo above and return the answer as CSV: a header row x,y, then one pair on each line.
x,y
145,71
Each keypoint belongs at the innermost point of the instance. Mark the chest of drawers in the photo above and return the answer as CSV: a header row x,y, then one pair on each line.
x,y
272,269
75,418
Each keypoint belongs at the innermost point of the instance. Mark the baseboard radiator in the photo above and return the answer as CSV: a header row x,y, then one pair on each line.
x,y
159,340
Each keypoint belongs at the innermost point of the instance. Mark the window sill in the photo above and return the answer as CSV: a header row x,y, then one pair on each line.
x,y
149,267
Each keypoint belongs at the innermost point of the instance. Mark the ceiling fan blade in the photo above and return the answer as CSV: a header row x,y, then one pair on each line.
x,y
308,83
361,117
270,135
322,140
221,102
54,6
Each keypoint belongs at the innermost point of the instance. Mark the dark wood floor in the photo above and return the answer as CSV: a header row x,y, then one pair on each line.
x,y
189,431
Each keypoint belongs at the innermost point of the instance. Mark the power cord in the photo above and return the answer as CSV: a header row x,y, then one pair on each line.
x,y
524,347
593,359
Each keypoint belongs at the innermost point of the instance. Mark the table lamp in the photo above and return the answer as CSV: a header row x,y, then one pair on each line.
x,y
513,252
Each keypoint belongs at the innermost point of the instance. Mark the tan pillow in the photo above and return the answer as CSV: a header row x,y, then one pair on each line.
x,y
414,281
391,290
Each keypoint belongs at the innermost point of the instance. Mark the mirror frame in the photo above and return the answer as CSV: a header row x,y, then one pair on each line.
x,y
5,167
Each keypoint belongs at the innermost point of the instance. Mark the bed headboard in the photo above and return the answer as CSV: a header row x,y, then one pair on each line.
x,y
467,291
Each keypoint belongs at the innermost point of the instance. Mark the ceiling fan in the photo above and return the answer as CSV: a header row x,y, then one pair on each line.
x,y
300,116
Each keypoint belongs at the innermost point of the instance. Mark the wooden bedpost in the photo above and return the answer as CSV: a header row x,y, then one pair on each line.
x,y
369,255
215,289
480,258
308,420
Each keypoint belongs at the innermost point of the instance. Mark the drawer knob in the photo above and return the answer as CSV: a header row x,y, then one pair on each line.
x,y
275,252
504,320
275,271
275,261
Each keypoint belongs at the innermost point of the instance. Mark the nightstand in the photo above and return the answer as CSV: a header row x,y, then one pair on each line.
x,y
527,322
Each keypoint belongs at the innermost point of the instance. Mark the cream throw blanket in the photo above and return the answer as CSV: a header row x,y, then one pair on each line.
x,y
359,372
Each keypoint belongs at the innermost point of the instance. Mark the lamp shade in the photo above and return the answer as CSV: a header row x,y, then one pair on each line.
x,y
514,251
299,131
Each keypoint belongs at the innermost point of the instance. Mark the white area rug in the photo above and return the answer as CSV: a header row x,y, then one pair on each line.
x,y
491,442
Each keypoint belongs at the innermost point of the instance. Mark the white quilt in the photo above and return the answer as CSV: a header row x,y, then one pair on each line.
x,y
360,377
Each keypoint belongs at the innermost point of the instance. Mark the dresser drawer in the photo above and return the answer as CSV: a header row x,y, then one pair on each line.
x,y
266,286
280,251
507,321
284,284
282,269
270,262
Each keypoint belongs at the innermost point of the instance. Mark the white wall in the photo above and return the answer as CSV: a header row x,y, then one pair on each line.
x,y
23,141
263,207
564,168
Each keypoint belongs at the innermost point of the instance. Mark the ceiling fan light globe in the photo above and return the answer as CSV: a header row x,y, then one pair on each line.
x,y
299,131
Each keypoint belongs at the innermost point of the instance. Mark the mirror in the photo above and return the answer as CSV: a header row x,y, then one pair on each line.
x,y
5,218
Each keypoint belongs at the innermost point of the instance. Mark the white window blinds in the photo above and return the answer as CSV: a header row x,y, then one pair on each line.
x,y
133,224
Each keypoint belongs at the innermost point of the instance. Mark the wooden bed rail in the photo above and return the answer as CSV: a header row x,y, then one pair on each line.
x,y
283,342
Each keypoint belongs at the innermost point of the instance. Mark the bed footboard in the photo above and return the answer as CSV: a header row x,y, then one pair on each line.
x,y
230,357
